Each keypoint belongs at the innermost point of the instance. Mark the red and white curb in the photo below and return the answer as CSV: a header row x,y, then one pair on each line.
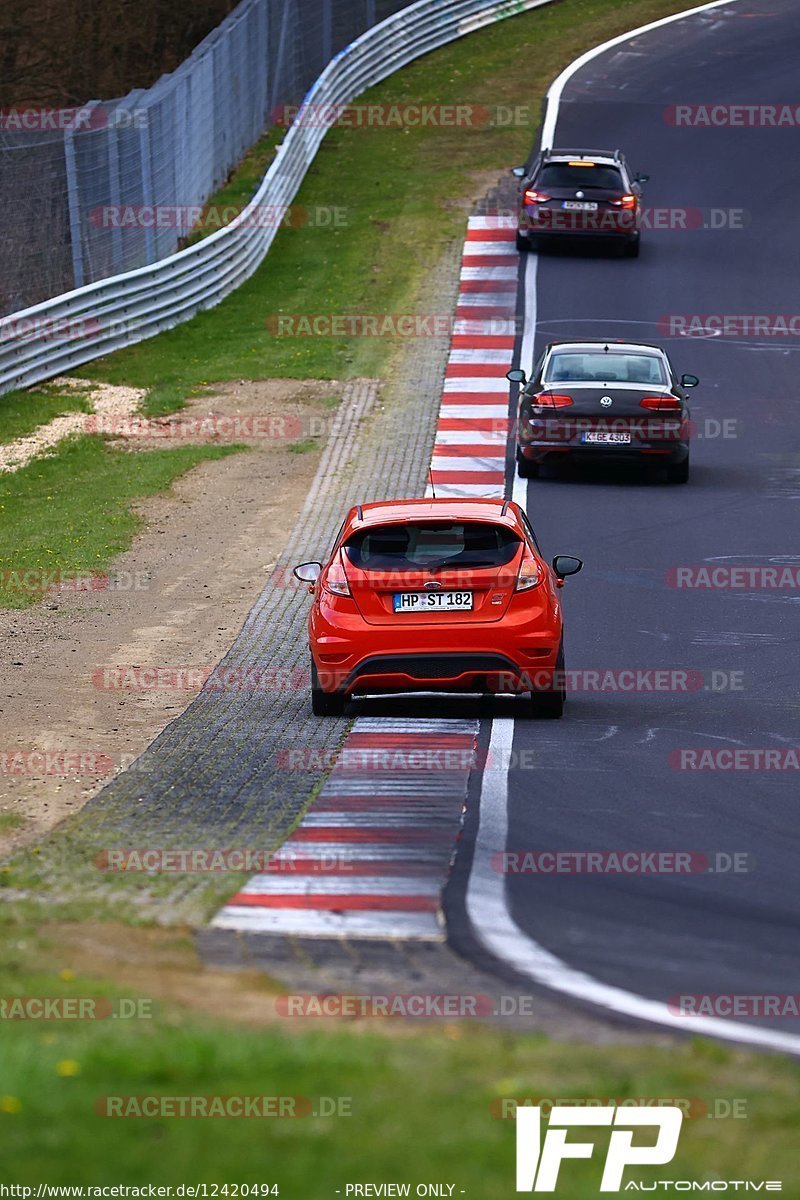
x,y
371,856
470,451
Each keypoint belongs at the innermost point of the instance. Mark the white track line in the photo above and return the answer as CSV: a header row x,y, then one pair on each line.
x,y
486,900
487,908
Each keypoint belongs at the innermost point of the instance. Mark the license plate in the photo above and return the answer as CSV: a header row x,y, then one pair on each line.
x,y
608,439
580,206
416,602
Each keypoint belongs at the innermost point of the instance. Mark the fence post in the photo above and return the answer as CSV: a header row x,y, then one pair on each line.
x,y
147,189
74,206
114,197
280,58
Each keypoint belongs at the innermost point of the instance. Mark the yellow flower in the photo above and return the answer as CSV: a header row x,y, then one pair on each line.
x,y
10,1104
67,974
68,1066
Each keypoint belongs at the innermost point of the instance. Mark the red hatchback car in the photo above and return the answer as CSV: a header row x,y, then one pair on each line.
x,y
437,595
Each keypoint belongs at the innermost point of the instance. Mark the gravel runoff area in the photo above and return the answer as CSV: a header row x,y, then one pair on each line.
x,y
110,402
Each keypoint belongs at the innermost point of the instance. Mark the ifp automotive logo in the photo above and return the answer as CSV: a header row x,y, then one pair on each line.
x,y
539,1159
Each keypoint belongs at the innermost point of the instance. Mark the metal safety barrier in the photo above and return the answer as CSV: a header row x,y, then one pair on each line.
x,y
57,335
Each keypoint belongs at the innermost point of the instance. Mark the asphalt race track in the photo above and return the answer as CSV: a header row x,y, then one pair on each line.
x,y
607,777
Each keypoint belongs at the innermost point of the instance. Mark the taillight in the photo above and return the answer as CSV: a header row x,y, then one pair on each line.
x,y
533,197
661,403
626,201
552,400
530,572
336,580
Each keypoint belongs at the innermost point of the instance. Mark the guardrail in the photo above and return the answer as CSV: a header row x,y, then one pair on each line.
x,y
47,339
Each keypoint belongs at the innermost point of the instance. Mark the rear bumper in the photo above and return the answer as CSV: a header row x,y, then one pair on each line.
x,y
548,223
664,453
354,657
473,672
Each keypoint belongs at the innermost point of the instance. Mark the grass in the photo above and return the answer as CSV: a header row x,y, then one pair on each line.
x,y
404,194
306,446
22,412
72,513
423,1100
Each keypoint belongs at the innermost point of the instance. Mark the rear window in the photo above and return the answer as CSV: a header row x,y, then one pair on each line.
x,y
461,544
562,175
603,367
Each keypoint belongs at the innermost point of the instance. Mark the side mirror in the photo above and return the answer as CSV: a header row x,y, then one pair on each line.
x,y
640,178
516,376
689,381
519,172
307,572
565,564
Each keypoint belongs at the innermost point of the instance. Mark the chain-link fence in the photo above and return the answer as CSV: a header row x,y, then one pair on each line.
x,y
91,192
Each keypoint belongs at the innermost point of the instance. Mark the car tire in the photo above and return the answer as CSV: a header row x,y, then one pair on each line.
x,y
550,705
678,472
525,468
325,704
632,248
523,245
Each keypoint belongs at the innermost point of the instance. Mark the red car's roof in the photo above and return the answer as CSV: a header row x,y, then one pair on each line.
x,y
477,509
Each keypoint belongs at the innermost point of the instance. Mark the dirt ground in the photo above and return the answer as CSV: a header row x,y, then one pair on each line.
x,y
178,597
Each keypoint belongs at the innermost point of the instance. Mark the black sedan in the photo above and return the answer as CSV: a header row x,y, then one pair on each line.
x,y
615,400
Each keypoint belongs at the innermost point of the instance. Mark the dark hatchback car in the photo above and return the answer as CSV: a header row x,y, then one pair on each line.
x,y
579,194
612,400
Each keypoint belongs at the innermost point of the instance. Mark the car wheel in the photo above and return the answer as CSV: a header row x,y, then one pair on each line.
x,y
523,245
525,468
325,704
550,705
632,249
678,472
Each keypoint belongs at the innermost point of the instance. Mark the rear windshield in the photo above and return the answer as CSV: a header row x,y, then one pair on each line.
x,y
562,175
605,367
461,544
